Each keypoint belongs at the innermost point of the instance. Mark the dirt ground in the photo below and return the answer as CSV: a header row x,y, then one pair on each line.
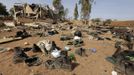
x,y
93,64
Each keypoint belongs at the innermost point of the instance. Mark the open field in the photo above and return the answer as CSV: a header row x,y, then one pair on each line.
x,y
93,64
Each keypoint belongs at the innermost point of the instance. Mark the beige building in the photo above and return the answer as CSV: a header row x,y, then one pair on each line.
x,y
33,11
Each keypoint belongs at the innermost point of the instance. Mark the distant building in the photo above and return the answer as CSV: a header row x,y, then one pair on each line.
x,y
33,11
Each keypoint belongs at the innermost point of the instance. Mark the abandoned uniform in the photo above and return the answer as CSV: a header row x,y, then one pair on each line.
x,y
130,41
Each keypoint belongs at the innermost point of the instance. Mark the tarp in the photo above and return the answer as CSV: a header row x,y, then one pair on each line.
x,y
56,53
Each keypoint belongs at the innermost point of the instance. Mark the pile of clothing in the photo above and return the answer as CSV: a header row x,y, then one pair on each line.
x,y
20,56
61,62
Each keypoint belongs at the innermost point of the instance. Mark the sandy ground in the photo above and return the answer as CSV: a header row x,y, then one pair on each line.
x,y
93,64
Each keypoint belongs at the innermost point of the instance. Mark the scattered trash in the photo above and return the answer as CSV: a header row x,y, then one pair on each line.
x,y
55,53
64,37
114,73
22,34
111,60
91,37
80,52
2,49
19,55
93,50
66,48
69,43
78,33
33,61
35,48
124,62
59,63
26,43
6,40
52,32
77,42
7,29
108,38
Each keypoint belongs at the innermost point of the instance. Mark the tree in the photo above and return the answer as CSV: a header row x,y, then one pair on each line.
x,y
56,3
107,21
66,11
59,8
3,10
11,11
76,14
86,6
96,21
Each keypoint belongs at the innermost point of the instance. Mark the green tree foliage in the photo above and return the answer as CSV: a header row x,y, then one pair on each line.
x,y
96,20
60,8
3,10
56,3
11,11
86,6
76,14
66,11
107,21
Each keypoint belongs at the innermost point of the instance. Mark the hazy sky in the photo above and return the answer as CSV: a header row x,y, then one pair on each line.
x,y
114,9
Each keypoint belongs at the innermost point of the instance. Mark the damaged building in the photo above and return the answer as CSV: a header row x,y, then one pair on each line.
x,y
32,11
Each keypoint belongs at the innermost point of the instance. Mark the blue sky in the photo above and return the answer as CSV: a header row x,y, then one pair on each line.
x,y
105,9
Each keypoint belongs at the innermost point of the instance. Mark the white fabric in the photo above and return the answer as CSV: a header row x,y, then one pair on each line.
x,y
91,37
48,46
77,38
44,44
67,48
56,53
114,73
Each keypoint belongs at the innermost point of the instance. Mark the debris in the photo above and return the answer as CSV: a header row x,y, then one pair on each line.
x,y
35,48
22,34
49,64
80,52
77,42
19,55
59,63
52,32
124,63
99,38
111,60
108,38
93,50
26,43
2,49
117,44
64,37
70,43
47,46
66,48
78,33
10,24
44,45
33,61
6,40
91,37
114,73
55,53
7,29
